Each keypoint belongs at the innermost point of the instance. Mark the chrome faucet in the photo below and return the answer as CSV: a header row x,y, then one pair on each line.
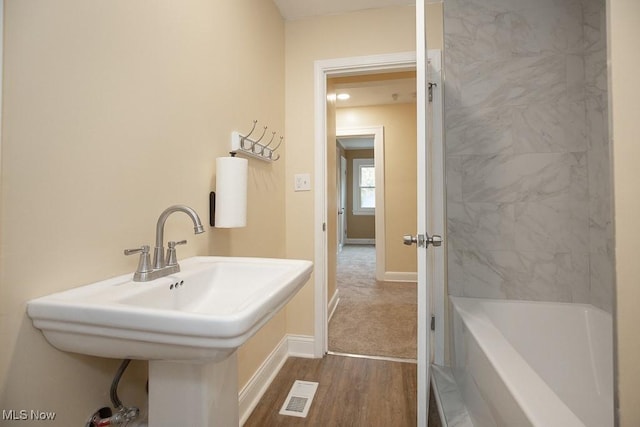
x,y
158,252
162,266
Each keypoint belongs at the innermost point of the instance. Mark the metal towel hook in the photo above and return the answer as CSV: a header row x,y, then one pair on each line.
x,y
279,143
254,147
273,135
261,136
273,150
255,122
245,137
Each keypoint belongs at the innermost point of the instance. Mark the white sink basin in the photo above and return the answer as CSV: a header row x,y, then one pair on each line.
x,y
204,312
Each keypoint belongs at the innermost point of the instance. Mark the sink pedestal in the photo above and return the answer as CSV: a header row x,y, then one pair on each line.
x,y
199,316
196,394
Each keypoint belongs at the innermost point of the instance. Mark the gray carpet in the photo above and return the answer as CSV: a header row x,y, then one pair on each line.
x,y
372,318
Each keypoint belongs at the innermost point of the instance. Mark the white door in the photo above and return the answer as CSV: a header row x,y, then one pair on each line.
x,y
430,205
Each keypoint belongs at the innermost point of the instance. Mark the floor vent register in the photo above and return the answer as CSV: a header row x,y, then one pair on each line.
x,y
299,399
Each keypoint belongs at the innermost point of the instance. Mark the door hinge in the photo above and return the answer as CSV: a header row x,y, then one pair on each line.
x,y
324,226
433,323
430,87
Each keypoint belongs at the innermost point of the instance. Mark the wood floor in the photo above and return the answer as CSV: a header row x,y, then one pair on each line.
x,y
351,392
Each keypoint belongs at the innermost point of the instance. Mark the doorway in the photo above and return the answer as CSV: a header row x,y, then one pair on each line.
x,y
373,306
429,202
362,147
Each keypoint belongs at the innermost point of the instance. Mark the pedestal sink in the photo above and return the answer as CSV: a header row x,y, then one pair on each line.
x,y
188,325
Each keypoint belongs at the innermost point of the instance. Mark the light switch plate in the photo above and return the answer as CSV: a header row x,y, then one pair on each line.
x,y
302,182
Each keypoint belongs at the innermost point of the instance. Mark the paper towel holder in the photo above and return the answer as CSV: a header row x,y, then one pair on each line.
x,y
228,200
243,144
212,209
212,203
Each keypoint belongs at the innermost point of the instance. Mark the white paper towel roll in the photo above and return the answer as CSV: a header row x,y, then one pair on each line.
x,y
231,192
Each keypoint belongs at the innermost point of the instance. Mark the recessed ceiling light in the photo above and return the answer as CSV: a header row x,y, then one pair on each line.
x,y
343,96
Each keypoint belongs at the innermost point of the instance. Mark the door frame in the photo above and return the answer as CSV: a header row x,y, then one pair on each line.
x,y
356,65
377,132
349,66
322,70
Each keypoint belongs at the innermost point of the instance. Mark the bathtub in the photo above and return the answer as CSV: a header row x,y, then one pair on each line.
x,y
521,363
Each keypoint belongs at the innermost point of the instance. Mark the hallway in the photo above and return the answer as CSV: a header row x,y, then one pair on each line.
x,y
372,318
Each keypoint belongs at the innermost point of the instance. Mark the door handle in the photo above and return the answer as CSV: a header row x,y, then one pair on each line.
x,y
423,240
410,240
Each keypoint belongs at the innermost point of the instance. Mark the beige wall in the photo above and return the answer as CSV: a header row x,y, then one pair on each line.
x,y
624,60
358,226
369,32
103,101
112,112
399,121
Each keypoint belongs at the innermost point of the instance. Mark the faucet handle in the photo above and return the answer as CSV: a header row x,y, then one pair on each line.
x,y
171,252
173,244
142,249
144,264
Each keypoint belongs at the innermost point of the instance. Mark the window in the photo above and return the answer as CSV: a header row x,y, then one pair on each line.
x,y
364,187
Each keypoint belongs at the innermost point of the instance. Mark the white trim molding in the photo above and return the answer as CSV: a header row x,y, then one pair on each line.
x,y
400,276
357,165
300,346
252,392
258,384
350,241
323,69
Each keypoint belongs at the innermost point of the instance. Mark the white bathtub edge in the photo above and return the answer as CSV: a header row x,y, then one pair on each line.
x,y
538,401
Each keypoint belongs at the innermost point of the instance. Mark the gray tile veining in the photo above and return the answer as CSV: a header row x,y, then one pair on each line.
x,y
523,177
543,127
527,150
512,80
558,225
601,271
481,225
479,130
453,171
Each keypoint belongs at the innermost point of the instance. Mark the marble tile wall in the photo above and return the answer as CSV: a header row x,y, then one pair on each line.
x,y
527,155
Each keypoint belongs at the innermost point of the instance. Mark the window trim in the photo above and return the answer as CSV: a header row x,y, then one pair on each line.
x,y
357,164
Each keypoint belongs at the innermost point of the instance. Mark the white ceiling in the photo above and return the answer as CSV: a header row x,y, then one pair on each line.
x,y
356,142
378,92
296,9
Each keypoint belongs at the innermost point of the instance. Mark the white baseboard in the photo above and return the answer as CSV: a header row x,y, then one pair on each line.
x,y
252,392
350,241
400,276
301,346
333,304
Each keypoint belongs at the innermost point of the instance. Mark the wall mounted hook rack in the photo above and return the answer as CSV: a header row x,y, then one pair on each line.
x,y
243,144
